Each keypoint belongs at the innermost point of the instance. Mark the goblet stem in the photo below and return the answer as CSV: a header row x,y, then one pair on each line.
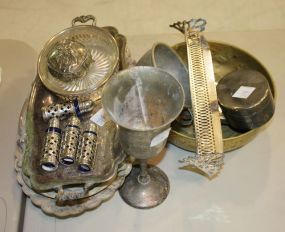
x,y
146,186
143,177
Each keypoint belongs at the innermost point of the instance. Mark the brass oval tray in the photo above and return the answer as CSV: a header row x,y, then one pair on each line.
x,y
108,155
226,58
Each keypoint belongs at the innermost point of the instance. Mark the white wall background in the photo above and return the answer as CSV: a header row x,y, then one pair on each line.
x,y
35,21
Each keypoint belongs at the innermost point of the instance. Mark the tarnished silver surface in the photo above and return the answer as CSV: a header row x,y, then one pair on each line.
x,y
63,110
87,147
84,19
50,151
70,140
104,52
69,203
69,60
109,153
22,134
143,101
164,57
147,194
246,99
125,60
208,131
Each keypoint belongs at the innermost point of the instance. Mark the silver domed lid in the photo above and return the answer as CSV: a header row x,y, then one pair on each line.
x,y
69,60
75,75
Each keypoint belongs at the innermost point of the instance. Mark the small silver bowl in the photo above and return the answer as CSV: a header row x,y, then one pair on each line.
x,y
87,78
164,57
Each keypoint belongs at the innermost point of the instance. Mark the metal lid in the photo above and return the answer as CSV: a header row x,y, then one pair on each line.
x,y
246,99
69,60
104,52
243,91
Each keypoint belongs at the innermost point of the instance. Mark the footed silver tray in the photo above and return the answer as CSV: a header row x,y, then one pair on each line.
x,y
64,200
51,204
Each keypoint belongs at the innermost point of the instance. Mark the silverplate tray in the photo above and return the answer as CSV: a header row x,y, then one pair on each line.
x,y
50,202
109,153
226,58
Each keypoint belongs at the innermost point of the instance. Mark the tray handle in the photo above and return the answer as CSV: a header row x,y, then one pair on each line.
x,y
65,195
84,19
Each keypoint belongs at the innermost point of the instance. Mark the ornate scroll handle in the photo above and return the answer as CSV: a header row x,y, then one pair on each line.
x,y
65,196
84,19
193,25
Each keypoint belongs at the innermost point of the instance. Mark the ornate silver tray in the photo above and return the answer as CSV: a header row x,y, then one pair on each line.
x,y
51,204
109,154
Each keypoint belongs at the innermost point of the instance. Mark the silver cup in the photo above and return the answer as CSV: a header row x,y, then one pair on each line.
x,y
143,101
164,57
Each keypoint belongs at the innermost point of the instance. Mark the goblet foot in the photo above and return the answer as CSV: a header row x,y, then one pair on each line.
x,y
145,192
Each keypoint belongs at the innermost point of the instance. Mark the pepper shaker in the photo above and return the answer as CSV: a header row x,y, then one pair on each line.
x,y
49,159
70,140
87,148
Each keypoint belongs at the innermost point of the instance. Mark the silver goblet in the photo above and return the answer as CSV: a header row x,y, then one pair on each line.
x,y
143,101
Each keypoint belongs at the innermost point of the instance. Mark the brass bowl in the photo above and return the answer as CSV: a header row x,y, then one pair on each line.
x,y
226,58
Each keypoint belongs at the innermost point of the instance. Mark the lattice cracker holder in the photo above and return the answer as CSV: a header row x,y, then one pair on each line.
x,y
209,142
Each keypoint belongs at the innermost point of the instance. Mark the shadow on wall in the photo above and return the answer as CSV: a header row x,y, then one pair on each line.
x,y
3,214
18,64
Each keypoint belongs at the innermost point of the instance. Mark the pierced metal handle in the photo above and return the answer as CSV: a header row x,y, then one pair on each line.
x,y
208,132
84,19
